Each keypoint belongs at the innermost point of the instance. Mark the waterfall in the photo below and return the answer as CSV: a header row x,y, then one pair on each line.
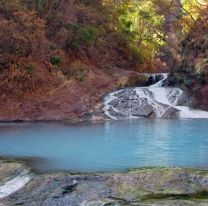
x,y
153,101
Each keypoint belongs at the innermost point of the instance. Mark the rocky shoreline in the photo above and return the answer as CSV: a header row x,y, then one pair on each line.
x,y
141,187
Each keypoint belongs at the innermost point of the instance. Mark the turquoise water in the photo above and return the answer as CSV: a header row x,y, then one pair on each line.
x,y
111,146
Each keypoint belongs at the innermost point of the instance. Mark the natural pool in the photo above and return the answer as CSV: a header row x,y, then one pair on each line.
x,y
110,146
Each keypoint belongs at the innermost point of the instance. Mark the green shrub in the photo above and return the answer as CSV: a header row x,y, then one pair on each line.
x,y
19,52
81,36
177,78
55,60
78,71
88,34
30,68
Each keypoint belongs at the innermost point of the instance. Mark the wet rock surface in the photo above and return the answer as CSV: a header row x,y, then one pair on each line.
x,y
127,103
153,101
141,187
142,103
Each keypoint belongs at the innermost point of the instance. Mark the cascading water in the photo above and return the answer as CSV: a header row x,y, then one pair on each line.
x,y
153,101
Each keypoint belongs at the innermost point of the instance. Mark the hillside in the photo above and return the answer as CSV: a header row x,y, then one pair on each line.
x,y
57,59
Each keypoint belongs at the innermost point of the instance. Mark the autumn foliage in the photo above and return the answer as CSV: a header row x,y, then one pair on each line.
x,y
43,41
40,40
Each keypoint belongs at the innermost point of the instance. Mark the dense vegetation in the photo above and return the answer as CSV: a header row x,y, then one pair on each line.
x,y
191,69
43,41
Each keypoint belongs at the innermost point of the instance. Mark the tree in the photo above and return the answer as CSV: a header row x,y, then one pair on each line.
x,y
139,22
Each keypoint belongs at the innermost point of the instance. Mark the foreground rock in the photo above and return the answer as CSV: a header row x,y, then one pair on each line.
x,y
13,177
153,186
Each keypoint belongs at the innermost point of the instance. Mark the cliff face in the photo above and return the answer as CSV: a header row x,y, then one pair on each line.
x,y
56,59
191,71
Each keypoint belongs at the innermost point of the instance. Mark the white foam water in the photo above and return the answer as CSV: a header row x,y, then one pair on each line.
x,y
160,98
14,184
